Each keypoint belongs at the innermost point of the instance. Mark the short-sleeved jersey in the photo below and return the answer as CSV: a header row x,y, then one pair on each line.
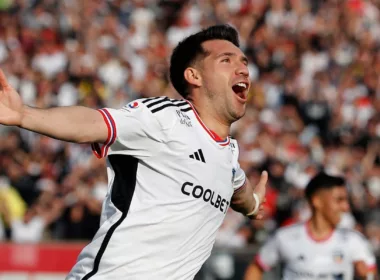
x,y
170,185
304,258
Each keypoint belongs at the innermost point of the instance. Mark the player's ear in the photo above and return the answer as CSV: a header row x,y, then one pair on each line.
x,y
193,77
316,201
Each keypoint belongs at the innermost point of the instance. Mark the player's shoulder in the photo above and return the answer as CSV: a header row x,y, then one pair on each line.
x,y
162,108
290,232
234,147
233,143
162,105
347,234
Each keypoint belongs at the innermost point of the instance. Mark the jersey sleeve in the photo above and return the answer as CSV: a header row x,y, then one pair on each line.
x,y
361,250
269,254
132,130
238,176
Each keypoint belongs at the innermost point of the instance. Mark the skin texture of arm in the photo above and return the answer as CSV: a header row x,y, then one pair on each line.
x,y
243,201
73,124
363,273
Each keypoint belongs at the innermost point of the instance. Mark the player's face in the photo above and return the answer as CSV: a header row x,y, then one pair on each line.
x,y
225,78
334,204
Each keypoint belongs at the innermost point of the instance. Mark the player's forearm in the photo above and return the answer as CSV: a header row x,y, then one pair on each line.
x,y
363,272
73,124
242,200
253,273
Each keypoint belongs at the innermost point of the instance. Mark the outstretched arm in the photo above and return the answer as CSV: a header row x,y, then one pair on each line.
x,y
73,124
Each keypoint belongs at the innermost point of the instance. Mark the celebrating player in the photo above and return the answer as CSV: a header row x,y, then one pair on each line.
x,y
172,168
318,249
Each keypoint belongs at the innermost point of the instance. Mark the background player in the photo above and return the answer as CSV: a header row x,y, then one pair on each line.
x,y
318,249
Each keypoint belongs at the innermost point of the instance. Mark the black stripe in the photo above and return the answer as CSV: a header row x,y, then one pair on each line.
x,y
201,155
196,156
151,99
186,109
123,187
182,104
177,100
165,106
165,99
191,156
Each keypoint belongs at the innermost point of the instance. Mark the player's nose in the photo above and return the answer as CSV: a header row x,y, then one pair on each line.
x,y
242,70
345,206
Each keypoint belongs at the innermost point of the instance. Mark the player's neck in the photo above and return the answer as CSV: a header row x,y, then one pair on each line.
x,y
211,119
318,228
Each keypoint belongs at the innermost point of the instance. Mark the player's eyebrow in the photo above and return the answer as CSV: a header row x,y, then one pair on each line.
x,y
243,57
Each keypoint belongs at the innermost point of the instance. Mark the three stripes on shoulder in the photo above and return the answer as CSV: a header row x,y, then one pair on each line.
x,y
156,104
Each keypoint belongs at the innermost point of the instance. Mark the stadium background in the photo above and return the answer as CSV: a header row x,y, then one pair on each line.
x,y
314,101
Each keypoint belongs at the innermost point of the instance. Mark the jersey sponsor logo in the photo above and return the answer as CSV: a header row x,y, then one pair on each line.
x,y
207,195
339,276
300,274
133,105
198,155
294,274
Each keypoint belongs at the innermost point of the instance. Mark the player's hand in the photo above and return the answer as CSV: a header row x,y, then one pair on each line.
x,y
11,106
260,190
261,214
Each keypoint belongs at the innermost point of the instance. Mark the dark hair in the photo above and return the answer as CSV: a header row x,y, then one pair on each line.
x,y
323,181
190,49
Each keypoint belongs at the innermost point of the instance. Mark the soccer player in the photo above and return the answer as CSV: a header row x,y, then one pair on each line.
x,y
318,248
172,167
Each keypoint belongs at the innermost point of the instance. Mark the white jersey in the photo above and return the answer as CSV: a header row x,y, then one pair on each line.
x,y
304,258
170,185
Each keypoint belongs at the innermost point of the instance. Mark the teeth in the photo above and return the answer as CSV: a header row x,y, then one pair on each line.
x,y
242,85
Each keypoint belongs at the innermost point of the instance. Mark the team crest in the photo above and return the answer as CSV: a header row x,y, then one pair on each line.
x,y
338,257
133,105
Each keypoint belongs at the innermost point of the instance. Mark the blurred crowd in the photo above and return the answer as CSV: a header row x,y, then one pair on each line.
x,y
314,102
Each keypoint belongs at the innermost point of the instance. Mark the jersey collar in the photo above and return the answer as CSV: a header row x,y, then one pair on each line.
x,y
315,239
214,136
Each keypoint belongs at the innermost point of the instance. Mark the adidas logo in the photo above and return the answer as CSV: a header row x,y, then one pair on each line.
x,y
301,258
198,155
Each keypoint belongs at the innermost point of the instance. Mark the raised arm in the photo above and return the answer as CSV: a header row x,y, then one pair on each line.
x,y
73,124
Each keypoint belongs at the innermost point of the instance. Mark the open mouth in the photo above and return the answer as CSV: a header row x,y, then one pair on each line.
x,y
241,90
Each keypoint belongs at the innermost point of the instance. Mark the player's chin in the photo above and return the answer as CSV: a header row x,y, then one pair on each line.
x,y
240,108
238,113
237,110
335,221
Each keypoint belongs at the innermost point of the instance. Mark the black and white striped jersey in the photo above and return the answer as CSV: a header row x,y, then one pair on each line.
x,y
171,180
